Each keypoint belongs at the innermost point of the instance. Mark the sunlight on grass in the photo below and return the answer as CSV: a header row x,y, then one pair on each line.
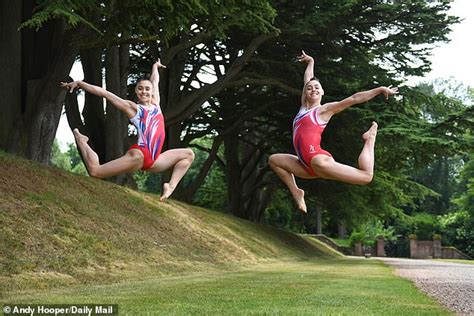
x,y
342,242
297,287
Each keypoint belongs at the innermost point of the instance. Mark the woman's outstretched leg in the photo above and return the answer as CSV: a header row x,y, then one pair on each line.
x,y
91,159
286,166
327,168
367,156
178,159
131,161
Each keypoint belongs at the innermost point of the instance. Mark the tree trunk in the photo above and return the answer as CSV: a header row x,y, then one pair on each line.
x,y
341,230
255,195
114,140
93,112
10,74
245,174
232,167
44,97
124,62
116,125
319,223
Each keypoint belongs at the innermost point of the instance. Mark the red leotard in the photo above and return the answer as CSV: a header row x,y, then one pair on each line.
x,y
307,130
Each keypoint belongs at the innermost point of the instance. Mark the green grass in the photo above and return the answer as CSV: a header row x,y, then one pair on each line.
x,y
297,287
342,242
73,239
60,229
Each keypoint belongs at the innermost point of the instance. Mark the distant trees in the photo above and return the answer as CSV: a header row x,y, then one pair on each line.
x,y
69,160
459,224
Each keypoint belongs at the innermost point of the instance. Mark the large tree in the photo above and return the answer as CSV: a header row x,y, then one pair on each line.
x,y
41,59
183,91
56,31
357,45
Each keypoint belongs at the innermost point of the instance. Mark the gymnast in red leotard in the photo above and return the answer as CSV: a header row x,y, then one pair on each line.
x,y
312,161
147,117
307,130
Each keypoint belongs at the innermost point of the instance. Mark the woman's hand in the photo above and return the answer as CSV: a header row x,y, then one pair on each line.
x,y
158,64
388,91
305,58
70,85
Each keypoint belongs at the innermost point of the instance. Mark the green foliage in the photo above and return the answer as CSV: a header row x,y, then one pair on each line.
x,y
369,231
69,160
148,182
152,20
283,213
213,193
140,178
458,226
77,164
356,237
425,225
217,16
71,11
344,37
458,230
59,159
465,201
281,210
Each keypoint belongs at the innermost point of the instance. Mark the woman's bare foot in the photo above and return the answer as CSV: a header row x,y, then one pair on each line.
x,y
371,133
299,198
167,191
90,158
79,137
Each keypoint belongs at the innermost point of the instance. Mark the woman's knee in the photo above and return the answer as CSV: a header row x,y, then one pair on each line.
x,y
273,160
190,155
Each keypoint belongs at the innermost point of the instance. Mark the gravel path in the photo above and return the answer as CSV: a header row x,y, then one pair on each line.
x,y
452,284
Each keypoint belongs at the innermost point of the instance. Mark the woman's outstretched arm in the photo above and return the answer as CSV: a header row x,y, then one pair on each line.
x,y
126,106
308,73
332,108
155,81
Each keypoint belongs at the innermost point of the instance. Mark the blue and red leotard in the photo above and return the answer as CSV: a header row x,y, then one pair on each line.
x,y
307,130
150,124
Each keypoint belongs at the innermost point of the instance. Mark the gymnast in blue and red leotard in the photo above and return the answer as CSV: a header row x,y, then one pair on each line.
x,y
150,125
311,160
147,117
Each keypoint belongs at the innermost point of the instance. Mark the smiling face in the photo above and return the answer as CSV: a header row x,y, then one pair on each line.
x,y
313,91
144,91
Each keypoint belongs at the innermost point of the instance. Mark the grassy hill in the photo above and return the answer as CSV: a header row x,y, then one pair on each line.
x,y
61,229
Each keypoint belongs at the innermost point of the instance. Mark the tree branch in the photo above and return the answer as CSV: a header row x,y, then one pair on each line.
x,y
194,100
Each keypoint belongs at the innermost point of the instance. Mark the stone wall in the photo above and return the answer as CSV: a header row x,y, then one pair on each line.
x,y
432,249
424,250
453,253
